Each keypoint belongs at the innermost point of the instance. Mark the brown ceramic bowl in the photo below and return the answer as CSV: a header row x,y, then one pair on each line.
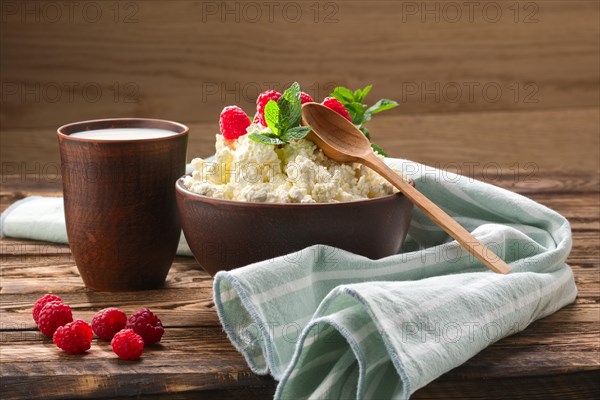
x,y
226,234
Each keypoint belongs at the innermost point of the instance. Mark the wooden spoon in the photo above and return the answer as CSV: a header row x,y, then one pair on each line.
x,y
343,142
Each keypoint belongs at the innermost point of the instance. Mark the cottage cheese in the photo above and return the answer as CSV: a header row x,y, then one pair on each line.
x,y
299,172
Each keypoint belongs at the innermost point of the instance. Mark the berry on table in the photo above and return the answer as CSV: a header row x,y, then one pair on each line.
x,y
127,344
147,325
233,122
74,337
53,315
261,103
335,105
40,303
107,322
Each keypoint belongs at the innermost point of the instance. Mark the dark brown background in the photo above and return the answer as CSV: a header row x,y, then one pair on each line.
x,y
185,60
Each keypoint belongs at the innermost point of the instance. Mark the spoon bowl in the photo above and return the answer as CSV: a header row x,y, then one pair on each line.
x,y
336,136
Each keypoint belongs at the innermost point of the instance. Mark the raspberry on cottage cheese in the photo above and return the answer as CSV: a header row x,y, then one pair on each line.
x,y
298,172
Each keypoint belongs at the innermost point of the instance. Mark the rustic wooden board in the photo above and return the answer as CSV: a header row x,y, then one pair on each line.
x,y
556,357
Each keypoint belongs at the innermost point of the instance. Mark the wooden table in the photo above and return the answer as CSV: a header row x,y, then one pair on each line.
x,y
556,357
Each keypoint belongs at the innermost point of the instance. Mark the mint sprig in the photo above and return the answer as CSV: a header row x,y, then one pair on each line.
x,y
283,119
359,112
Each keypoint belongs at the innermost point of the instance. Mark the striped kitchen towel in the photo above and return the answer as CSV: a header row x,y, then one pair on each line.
x,y
329,324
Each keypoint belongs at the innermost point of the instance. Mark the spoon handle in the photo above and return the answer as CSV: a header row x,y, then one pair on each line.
x,y
446,222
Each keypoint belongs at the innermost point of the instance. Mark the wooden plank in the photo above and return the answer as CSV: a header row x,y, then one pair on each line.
x,y
543,344
519,143
187,359
17,270
581,385
582,210
213,359
490,146
201,59
248,392
586,249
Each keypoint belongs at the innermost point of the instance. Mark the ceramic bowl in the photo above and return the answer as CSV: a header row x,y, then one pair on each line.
x,y
226,234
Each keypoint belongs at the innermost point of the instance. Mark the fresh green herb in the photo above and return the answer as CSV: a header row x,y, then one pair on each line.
x,y
378,149
359,112
296,133
266,138
283,119
284,115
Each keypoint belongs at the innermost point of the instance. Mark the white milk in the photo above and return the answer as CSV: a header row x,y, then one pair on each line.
x,y
124,134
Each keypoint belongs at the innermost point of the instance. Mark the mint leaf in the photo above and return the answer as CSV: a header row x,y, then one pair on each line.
x,y
290,108
272,117
265,139
343,95
356,111
283,119
378,149
359,113
366,132
382,105
296,133
362,94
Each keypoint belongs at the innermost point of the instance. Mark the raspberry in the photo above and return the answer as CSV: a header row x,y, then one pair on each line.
x,y
147,325
335,105
233,122
127,344
53,315
74,338
261,103
305,98
108,321
40,303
